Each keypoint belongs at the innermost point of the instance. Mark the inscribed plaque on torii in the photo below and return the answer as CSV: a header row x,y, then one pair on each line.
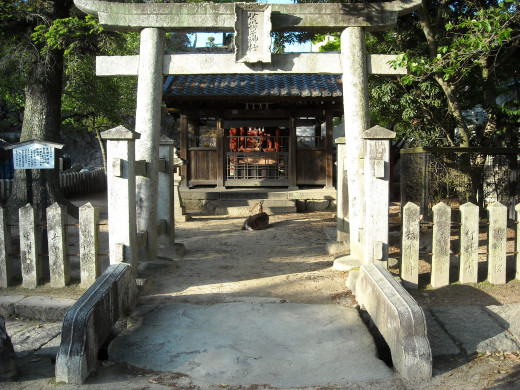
x,y
253,33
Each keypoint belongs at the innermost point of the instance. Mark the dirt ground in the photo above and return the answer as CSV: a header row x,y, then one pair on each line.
x,y
286,261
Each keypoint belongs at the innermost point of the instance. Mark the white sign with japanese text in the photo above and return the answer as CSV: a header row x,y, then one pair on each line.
x,y
33,156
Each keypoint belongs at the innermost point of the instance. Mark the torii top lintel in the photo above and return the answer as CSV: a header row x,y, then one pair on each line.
x,y
213,17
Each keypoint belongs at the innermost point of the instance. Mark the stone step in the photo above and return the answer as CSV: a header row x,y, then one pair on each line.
x,y
242,207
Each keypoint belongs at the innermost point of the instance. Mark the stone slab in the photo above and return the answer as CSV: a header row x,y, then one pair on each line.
x,y
242,207
43,308
14,326
7,304
254,342
36,338
440,342
475,329
508,316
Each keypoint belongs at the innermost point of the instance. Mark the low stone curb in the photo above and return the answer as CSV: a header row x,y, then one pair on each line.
x,y
35,307
398,318
88,323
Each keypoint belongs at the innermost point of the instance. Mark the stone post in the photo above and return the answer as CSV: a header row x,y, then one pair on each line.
x,y
6,262
357,120
29,247
121,195
89,244
410,246
165,201
497,240
342,192
441,245
469,243
59,263
377,192
180,208
148,124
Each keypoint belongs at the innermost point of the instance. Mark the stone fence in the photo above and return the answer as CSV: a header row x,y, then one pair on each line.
x,y
72,183
125,238
468,257
32,251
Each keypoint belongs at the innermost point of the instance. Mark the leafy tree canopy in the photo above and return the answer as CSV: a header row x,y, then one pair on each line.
x,y
462,59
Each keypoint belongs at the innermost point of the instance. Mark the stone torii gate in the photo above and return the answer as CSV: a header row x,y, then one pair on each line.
x,y
252,24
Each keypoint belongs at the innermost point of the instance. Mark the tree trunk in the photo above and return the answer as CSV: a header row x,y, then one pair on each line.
x,y
42,119
429,33
103,151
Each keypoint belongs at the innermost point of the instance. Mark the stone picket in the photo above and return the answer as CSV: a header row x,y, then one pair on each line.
x,y
441,245
89,244
29,247
469,243
497,239
410,246
6,267
59,263
517,243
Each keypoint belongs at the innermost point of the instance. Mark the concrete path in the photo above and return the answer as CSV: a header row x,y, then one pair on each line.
x,y
279,345
256,341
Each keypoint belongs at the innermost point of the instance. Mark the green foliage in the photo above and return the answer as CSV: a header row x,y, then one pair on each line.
x,y
282,39
88,101
472,49
67,34
466,41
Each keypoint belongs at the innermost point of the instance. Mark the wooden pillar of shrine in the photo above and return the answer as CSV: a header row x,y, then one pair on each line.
x,y
293,172
183,127
329,168
221,158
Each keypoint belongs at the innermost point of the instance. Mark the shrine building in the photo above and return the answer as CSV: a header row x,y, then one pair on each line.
x,y
256,130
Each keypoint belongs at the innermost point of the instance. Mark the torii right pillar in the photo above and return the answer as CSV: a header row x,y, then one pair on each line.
x,y
357,120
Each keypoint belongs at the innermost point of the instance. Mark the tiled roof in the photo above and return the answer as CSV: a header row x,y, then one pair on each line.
x,y
254,85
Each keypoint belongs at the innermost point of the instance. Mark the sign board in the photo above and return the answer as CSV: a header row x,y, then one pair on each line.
x,y
34,157
34,154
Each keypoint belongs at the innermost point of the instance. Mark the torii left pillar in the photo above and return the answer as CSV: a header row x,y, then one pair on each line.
x,y
148,124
